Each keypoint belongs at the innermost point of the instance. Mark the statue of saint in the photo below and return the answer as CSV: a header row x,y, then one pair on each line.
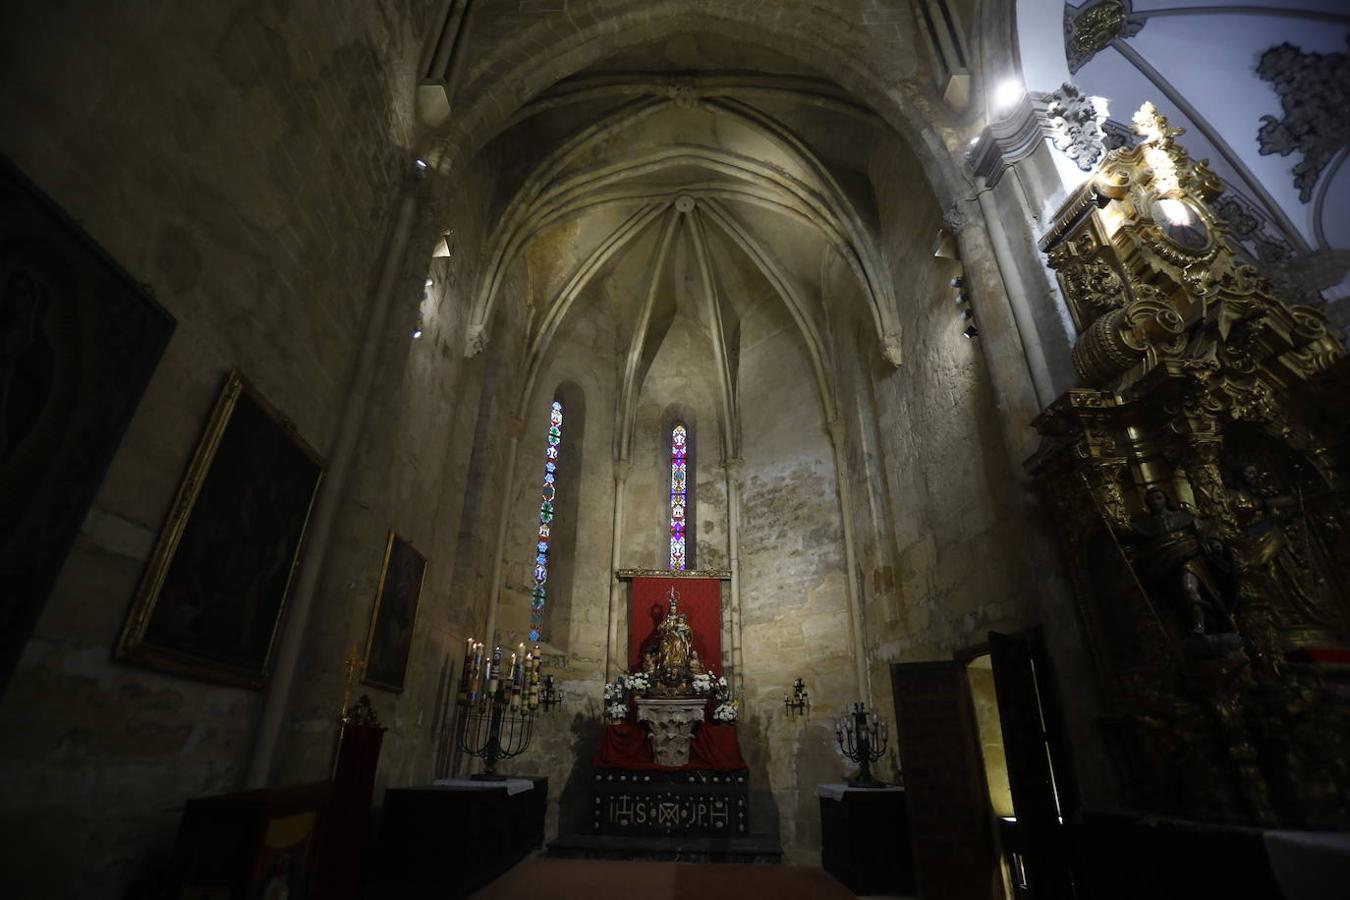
x,y
1171,554
675,644
1276,542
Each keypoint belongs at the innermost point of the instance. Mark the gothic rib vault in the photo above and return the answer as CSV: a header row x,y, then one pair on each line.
x,y
655,187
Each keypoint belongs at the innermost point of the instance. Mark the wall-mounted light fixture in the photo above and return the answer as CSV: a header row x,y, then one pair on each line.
x,y
798,702
549,695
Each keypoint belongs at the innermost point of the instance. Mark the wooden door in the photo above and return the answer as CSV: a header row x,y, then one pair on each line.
x,y
1042,791
950,822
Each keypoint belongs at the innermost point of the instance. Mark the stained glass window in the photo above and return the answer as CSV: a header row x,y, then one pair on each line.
x,y
549,494
679,495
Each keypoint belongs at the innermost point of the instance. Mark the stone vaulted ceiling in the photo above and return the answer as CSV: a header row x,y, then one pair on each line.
x,y
693,191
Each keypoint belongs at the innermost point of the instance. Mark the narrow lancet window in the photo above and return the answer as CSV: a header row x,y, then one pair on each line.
x,y
546,523
679,495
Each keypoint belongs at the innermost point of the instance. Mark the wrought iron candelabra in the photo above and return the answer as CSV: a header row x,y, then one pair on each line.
x,y
862,738
496,713
549,695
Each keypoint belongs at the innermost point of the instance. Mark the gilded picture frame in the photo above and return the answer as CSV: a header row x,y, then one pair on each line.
x,y
393,621
213,594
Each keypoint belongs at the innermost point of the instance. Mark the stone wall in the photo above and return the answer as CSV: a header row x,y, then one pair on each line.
x,y
944,473
244,161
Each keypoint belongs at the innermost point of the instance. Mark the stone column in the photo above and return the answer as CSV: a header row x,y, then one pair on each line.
x,y
327,503
1015,290
517,428
855,611
616,657
735,468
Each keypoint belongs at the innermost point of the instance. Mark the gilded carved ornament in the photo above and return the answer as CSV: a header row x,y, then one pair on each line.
x,y
1203,515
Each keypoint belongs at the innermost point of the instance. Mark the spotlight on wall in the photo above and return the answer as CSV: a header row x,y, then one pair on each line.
x,y
417,334
1007,94
957,282
429,283
967,313
421,164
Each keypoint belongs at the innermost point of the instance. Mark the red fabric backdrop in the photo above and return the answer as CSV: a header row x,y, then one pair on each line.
x,y
700,601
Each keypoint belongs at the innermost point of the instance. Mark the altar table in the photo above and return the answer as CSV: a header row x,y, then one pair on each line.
x,y
444,841
625,746
864,838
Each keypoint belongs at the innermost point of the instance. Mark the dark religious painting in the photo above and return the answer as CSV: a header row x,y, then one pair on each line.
x,y
212,596
79,339
391,624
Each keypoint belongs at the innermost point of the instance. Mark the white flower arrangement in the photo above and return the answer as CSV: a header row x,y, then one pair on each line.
x,y
613,692
617,711
727,712
723,689
635,683
702,684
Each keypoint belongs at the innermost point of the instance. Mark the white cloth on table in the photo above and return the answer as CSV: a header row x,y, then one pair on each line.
x,y
1309,865
836,791
512,786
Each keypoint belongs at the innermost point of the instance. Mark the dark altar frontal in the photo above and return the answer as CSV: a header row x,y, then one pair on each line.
x,y
656,803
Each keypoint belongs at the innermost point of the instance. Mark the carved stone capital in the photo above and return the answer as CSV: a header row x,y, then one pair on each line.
x,y
672,727
891,348
475,340
622,468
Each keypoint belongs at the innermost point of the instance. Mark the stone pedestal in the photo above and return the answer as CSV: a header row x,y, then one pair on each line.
x,y
672,727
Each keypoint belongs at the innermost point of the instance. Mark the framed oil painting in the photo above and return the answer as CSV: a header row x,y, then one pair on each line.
x,y
395,614
211,600
79,339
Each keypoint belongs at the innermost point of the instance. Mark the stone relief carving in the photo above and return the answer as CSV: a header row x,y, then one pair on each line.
x,y
1091,28
1075,122
1314,90
1119,136
1258,239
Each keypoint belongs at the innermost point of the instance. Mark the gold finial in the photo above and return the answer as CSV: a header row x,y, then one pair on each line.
x,y
350,664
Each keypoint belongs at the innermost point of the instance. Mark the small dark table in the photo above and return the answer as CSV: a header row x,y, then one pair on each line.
x,y
447,840
864,838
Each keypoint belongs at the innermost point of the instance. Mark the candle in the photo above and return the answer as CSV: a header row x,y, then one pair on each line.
x,y
494,671
476,672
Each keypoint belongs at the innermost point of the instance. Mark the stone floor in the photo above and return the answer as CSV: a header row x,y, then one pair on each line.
x,y
585,879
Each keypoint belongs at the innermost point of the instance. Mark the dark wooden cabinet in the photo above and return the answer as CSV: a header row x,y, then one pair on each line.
x,y
246,844
444,842
864,837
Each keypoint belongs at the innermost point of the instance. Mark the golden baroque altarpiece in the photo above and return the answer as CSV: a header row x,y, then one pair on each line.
x,y
1198,481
